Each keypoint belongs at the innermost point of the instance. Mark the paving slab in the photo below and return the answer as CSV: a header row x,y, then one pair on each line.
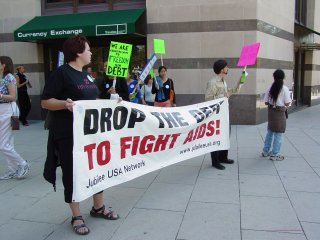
x,y
207,221
268,214
40,187
306,205
300,181
173,197
179,174
312,159
22,230
148,224
312,230
12,206
207,171
264,235
293,164
196,161
261,185
142,181
257,165
317,170
216,190
49,209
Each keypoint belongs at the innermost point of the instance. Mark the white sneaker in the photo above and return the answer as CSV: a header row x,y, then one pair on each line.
x,y
276,158
23,170
263,154
9,175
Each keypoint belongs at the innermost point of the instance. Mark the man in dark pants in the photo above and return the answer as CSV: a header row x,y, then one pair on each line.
x,y
217,88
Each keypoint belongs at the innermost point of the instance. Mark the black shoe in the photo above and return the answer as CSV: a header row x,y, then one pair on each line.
x,y
227,161
219,166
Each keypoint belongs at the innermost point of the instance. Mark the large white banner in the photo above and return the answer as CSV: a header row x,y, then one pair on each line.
x,y
117,142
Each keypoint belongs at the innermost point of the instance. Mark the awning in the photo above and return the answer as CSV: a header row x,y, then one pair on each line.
x,y
87,24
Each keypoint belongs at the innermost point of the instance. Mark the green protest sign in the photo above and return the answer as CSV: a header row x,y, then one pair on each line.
x,y
152,73
158,45
119,59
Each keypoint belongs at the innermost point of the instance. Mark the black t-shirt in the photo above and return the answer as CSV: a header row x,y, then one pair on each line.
x,y
22,79
104,84
66,82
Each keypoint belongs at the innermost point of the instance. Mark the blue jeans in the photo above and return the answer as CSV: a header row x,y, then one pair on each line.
x,y
277,141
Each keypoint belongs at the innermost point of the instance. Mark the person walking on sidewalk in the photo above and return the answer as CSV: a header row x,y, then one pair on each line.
x,y
217,88
17,166
67,84
277,98
23,97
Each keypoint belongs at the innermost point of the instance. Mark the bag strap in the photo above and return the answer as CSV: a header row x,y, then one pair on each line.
x,y
12,108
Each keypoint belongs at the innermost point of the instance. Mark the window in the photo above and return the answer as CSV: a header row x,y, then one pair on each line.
x,y
58,1
91,1
301,12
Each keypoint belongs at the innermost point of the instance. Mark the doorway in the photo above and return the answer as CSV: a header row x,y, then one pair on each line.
x,y
299,78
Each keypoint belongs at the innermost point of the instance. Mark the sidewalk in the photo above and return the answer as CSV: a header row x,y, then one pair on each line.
x,y
254,199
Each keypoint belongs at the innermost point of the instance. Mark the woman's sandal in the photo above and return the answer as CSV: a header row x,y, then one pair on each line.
x,y
99,213
76,228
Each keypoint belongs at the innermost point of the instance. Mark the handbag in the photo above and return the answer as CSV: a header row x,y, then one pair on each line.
x,y
14,120
171,94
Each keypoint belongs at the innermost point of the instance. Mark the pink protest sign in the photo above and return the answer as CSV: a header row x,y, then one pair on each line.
x,y
248,54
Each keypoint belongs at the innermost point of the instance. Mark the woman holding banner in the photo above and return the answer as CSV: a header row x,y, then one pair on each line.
x,y
163,87
67,84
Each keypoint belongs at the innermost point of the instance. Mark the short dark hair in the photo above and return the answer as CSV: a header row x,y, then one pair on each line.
x,y
9,65
219,65
160,68
72,46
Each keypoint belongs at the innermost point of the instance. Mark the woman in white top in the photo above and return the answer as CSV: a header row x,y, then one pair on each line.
x,y
146,91
17,166
277,97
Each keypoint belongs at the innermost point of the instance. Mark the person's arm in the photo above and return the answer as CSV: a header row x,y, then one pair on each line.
x,y
54,104
11,97
122,89
143,92
51,92
18,82
155,86
266,97
211,91
235,89
287,97
174,94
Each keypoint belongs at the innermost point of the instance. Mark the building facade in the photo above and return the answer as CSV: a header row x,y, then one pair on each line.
x,y
196,33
